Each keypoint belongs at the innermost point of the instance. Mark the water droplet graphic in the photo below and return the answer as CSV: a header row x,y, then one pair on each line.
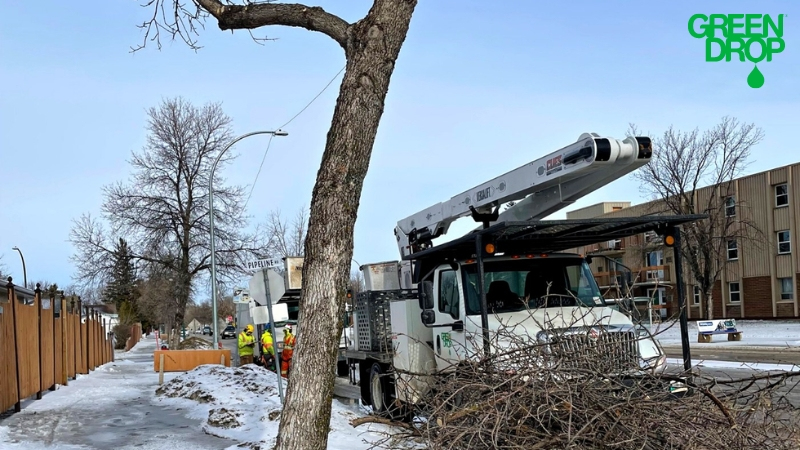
x,y
756,79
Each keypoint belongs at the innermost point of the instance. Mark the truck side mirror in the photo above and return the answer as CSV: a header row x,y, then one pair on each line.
x,y
426,295
428,317
588,259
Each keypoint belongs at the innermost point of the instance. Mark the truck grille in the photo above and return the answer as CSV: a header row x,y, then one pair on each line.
x,y
595,351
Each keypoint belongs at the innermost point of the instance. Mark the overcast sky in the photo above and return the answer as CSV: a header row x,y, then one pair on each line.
x,y
480,88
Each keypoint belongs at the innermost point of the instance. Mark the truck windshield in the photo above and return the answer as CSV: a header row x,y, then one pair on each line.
x,y
515,285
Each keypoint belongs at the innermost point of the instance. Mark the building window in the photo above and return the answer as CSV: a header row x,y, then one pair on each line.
x,y
733,293
784,242
781,195
733,250
697,295
787,293
730,206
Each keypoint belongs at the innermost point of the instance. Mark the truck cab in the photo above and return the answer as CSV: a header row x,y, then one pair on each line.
x,y
527,293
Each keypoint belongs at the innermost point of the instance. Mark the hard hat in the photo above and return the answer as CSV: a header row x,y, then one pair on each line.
x,y
288,327
267,327
249,328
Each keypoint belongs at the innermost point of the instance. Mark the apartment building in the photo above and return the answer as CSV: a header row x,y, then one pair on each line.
x,y
761,274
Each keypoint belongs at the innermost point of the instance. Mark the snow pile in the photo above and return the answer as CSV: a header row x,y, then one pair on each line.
x,y
194,343
243,404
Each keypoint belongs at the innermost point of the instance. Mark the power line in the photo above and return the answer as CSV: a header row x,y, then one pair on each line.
x,y
313,99
281,127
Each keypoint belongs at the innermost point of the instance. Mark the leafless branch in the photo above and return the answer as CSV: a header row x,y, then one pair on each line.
x,y
176,18
693,173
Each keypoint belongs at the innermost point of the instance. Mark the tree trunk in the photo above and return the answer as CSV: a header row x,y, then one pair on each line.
x,y
372,48
709,306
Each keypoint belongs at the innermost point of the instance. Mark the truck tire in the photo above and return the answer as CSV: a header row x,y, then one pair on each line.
x,y
379,396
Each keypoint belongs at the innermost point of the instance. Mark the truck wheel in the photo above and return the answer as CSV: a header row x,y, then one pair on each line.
x,y
378,390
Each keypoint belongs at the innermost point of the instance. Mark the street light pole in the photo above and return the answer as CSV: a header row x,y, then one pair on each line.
x,y
211,227
24,271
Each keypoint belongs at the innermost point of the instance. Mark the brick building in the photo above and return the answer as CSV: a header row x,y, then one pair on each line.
x,y
761,277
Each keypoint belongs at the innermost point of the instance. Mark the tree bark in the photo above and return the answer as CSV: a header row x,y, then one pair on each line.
x,y
373,45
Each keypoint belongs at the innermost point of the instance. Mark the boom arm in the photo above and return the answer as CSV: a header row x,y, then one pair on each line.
x,y
542,187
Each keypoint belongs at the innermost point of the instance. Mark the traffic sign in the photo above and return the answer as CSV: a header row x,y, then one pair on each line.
x,y
263,263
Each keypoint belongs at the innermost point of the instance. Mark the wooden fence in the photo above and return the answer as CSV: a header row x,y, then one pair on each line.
x,y
136,336
45,342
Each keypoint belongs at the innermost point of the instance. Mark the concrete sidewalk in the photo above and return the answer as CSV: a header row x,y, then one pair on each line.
x,y
112,407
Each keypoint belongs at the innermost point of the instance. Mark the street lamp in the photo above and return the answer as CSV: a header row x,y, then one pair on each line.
x,y
24,272
211,226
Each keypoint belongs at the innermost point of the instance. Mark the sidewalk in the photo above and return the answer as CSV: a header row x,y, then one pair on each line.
x,y
112,407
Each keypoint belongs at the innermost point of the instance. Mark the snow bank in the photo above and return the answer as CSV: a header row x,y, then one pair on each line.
x,y
243,404
755,333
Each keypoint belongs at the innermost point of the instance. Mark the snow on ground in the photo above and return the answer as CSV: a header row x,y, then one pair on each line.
x,y
761,367
211,407
755,333
243,403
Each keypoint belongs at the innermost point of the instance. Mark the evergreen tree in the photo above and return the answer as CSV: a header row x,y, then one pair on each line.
x,y
120,288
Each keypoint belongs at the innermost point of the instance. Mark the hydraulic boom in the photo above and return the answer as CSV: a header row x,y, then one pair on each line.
x,y
540,188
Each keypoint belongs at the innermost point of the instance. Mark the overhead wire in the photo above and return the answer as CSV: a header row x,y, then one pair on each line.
x,y
281,127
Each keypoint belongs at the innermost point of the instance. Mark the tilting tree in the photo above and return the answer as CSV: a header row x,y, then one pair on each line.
x,y
371,46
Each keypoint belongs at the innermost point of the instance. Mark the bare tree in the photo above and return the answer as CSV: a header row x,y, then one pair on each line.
x,y
163,210
685,162
287,238
371,47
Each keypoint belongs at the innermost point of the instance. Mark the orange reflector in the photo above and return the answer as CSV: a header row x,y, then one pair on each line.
x,y
515,257
489,248
469,261
529,256
669,240
543,255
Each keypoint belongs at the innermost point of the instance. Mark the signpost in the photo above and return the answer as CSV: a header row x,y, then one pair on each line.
x,y
264,265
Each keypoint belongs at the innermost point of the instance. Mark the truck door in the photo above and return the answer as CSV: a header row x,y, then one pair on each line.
x,y
449,345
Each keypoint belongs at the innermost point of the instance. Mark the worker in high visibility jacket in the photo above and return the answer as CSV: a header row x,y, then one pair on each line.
x,y
288,350
267,349
247,342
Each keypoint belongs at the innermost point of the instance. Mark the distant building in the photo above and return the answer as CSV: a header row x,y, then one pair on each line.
x,y
760,280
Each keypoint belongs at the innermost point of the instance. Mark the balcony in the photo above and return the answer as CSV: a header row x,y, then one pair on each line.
x,y
614,247
648,275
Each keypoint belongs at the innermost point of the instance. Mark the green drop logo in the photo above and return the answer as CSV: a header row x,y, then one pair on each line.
x,y
756,79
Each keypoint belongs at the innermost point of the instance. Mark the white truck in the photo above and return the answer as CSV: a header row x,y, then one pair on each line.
x,y
422,314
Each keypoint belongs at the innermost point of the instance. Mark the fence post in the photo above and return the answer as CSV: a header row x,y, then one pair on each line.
x,y
55,357
64,334
105,342
81,351
38,299
76,332
12,301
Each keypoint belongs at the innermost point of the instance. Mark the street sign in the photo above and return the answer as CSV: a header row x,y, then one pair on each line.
x,y
241,295
263,263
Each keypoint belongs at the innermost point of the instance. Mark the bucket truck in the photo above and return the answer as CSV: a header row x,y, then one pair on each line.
x,y
422,314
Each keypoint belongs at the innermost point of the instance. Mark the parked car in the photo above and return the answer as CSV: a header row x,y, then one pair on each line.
x,y
207,331
229,332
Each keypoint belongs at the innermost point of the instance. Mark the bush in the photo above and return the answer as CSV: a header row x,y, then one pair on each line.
x,y
121,334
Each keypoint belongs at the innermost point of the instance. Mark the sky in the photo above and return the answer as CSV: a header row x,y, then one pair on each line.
x,y
479,88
